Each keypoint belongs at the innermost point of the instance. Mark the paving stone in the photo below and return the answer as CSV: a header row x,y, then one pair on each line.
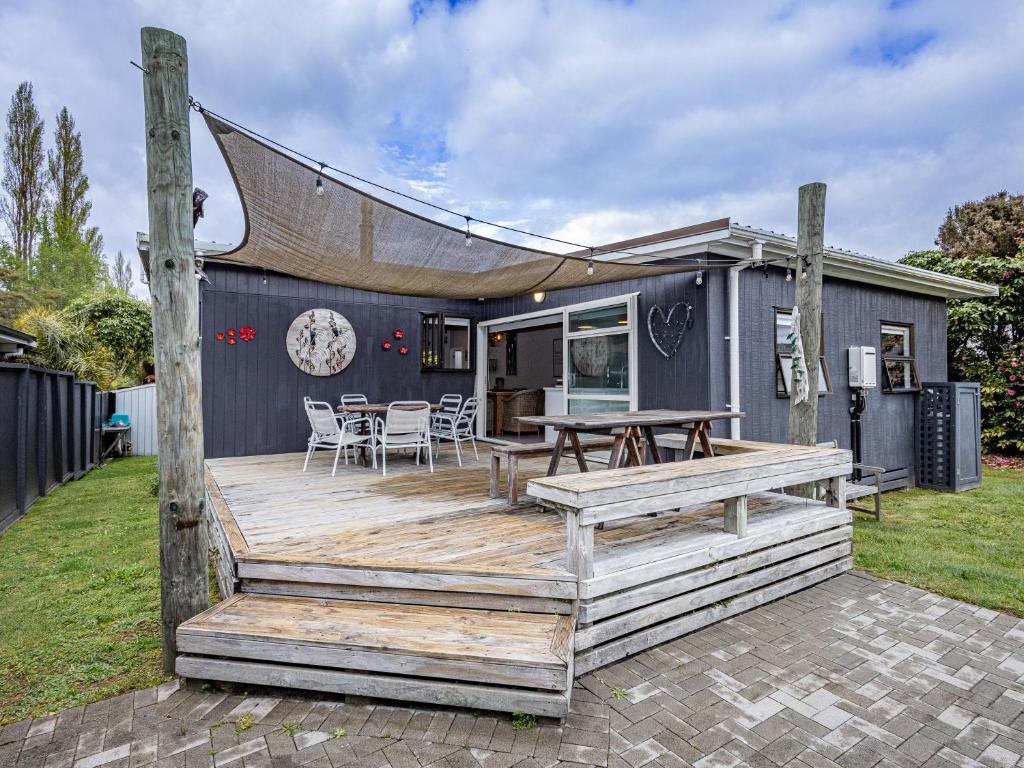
x,y
853,672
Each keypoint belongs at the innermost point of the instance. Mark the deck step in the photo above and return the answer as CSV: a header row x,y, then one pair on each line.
x,y
416,651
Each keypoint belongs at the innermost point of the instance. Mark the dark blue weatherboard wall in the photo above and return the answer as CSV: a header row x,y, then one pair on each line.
x,y
252,392
679,382
852,316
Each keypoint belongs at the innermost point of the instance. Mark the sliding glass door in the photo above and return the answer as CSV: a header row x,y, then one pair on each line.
x,y
600,356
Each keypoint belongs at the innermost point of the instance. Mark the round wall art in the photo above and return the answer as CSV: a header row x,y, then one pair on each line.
x,y
321,342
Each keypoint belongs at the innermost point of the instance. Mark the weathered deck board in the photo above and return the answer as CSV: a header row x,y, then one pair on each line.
x,y
444,693
411,520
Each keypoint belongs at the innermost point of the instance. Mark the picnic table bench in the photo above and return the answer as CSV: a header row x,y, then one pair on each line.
x,y
512,454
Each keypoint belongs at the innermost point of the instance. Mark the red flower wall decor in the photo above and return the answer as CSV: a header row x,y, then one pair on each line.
x,y
385,345
403,350
399,333
246,333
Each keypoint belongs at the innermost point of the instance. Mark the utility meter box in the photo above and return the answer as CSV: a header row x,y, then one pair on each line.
x,y
863,370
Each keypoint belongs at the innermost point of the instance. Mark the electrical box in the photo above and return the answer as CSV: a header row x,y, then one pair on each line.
x,y
863,370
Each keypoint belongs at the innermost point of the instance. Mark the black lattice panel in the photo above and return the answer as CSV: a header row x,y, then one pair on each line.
x,y
935,437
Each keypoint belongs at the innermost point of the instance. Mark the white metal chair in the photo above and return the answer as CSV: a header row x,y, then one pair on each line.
x,y
458,427
354,399
451,403
329,431
406,425
350,399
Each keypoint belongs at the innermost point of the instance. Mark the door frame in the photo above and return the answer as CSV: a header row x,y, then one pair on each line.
x,y
485,327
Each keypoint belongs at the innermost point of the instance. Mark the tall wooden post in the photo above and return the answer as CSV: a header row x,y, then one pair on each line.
x,y
810,251
184,588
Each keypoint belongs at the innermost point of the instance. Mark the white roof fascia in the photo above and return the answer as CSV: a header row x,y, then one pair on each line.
x,y
839,263
850,265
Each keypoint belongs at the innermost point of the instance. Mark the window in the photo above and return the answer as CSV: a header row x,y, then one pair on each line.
x,y
599,358
784,355
899,368
445,342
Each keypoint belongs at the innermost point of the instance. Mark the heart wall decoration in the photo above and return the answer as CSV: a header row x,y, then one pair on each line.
x,y
667,331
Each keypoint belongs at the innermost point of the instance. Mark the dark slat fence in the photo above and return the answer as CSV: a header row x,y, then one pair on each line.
x,y
49,434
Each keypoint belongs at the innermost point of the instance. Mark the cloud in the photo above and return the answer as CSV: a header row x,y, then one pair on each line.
x,y
587,119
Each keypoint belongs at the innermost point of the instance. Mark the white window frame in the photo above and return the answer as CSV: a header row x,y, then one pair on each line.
x,y
554,314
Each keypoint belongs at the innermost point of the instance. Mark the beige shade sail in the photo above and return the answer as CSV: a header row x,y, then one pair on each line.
x,y
349,238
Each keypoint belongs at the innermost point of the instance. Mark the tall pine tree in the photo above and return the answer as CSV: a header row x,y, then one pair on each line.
x,y
23,180
68,182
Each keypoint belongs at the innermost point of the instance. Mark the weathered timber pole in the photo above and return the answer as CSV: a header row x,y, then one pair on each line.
x,y
810,251
184,589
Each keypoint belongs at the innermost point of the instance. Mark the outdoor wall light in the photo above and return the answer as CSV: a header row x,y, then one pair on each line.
x,y
538,296
320,181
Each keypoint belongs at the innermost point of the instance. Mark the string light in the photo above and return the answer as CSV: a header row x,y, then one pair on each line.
x,y
469,237
590,264
700,277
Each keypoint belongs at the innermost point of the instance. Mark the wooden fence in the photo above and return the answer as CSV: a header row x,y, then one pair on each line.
x,y
49,434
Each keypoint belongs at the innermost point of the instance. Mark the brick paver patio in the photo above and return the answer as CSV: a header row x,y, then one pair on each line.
x,y
854,672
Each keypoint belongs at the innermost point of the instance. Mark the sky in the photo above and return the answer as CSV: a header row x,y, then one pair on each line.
x,y
588,120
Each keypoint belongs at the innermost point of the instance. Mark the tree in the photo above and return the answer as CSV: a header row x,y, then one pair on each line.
x,y
68,182
23,180
121,324
66,344
106,337
65,265
985,337
16,294
991,227
121,273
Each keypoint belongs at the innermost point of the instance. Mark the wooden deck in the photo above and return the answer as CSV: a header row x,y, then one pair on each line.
x,y
422,587
407,520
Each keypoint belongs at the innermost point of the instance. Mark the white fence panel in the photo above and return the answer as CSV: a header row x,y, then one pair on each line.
x,y
140,404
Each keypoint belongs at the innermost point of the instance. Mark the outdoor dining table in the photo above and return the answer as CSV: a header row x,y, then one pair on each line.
x,y
372,410
377,409
630,428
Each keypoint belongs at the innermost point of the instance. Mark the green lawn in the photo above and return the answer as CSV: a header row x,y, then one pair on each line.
x,y
80,593
969,546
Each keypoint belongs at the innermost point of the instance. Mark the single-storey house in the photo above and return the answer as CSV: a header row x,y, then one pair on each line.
x,y
711,338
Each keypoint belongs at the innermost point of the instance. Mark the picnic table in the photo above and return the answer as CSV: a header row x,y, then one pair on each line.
x,y
630,428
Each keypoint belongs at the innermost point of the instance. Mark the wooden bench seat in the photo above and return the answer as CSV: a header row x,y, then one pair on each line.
x,y
591,498
512,454
723,446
